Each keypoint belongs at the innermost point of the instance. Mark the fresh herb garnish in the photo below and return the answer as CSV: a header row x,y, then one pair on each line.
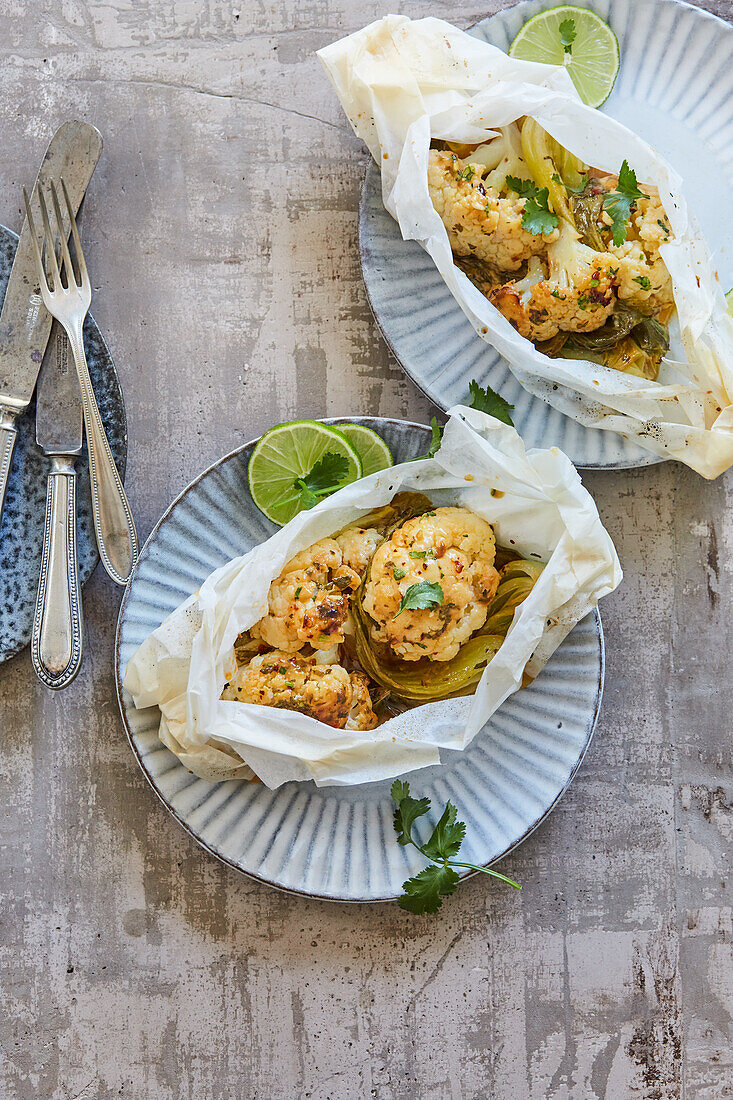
x,y
298,590
466,173
398,573
486,400
620,203
567,34
420,597
537,217
325,477
424,892
437,439
643,281
422,553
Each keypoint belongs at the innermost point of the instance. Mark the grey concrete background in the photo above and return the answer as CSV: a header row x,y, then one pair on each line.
x,y
221,233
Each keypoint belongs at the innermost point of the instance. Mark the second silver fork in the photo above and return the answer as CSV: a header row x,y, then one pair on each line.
x,y
69,304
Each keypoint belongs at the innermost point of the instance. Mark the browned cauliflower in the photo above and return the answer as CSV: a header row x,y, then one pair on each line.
x,y
451,547
480,222
357,546
292,682
310,601
515,300
642,277
578,294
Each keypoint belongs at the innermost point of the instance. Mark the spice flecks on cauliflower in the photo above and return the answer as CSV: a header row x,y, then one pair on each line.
x,y
450,547
310,601
643,280
578,293
479,221
292,682
357,545
516,301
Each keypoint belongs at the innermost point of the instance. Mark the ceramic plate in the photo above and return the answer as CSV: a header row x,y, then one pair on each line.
x,y
674,89
504,784
21,529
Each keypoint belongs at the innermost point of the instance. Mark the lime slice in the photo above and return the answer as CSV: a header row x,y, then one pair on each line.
x,y
288,452
371,448
591,56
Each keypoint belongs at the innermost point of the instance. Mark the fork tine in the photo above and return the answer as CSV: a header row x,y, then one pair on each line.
x,y
83,274
34,235
70,274
50,244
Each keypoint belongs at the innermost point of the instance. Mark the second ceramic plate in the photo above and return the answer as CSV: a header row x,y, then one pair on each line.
x,y
339,843
673,89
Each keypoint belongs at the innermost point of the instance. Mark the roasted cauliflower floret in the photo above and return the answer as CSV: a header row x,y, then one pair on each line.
x,y
642,277
450,547
578,294
292,682
480,222
310,601
515,300
357,545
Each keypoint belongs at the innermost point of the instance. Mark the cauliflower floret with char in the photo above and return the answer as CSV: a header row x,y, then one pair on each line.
x,y
357,545
642,277
450,547
480,222
578,294
310,601
515,300
292,682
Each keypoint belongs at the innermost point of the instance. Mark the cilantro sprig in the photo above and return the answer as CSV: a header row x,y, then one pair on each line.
x,y
486,400
424,892
537,217
620,203
568,34
421,597
325,477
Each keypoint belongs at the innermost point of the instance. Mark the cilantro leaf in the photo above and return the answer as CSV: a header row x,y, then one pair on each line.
x,y
398,573
467,173
620,203
488,401
421,596
407,812
447,837
424,892
567,34
537,217
644,281
324,478
524,188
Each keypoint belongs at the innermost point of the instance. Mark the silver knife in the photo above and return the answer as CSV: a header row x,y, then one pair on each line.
x,y
57,636
25,323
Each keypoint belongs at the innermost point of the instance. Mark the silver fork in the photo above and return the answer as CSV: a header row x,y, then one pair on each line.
x,y
113,522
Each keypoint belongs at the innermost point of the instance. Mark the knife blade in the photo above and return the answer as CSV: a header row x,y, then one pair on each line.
x,y
25,324
57,635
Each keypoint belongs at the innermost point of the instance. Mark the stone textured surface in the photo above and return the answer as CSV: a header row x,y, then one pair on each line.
x,y
221,233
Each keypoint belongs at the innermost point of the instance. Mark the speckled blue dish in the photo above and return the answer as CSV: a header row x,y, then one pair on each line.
x,y
674,89
338,843
21,530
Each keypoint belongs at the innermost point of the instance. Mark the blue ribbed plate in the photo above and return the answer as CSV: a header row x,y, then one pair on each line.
x,y
674,89
339,842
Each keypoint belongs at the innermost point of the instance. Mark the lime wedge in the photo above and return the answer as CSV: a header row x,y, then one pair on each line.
x,y
578,39
289,452
371,448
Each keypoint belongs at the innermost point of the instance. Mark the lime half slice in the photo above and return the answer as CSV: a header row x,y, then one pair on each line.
x,y
578,39
371,448
288,453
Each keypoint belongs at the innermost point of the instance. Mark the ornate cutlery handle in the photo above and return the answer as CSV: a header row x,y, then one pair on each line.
x,y
113,522
8,436
56,641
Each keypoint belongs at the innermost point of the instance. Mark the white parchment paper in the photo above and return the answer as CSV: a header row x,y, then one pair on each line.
x,y
403,82
541,509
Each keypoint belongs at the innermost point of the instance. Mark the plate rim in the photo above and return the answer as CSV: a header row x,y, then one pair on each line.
x,y
263,879
371,168
84,576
